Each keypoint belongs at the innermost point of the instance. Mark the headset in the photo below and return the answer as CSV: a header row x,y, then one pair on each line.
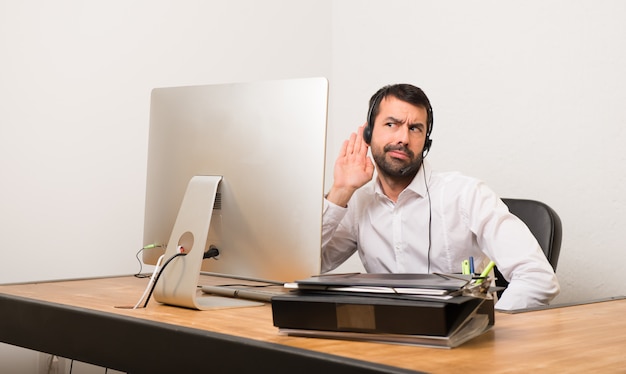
x,y
367,132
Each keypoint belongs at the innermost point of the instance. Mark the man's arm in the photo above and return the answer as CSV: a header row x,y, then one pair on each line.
x,y
353,169
509,243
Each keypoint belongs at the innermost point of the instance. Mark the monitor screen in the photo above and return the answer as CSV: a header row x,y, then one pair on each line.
x,y
265,142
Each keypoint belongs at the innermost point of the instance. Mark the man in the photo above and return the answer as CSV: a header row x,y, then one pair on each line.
x,y
410,219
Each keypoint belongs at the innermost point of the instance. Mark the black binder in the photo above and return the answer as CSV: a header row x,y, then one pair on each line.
x,y
321,307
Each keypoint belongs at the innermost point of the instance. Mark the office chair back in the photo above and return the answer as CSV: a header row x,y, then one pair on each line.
x,y
545,225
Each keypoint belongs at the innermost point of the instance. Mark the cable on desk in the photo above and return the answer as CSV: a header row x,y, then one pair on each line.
x,y
211,253
149,246
159,275
152,279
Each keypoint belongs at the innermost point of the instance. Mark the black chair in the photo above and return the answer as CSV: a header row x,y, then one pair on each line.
x,y
545,225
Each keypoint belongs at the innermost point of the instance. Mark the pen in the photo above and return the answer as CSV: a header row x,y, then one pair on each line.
x,y
465,267
485,272
471,264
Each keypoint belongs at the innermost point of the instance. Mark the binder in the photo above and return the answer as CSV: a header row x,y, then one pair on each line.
x,y
343,307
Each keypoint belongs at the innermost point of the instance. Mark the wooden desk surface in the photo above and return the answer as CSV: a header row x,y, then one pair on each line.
x,y
589,337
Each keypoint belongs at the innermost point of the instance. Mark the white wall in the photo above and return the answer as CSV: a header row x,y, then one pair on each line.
x,y
527,96
76,79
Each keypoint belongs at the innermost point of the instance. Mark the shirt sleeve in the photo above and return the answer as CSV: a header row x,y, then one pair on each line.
x,y
507,241
338,236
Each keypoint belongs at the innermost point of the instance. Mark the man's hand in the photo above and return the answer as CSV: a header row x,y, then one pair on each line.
x,y
353,169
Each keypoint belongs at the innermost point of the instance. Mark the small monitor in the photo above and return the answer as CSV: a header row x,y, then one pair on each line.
x,y
247,160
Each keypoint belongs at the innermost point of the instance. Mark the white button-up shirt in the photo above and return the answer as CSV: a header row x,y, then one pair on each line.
x,y
439,220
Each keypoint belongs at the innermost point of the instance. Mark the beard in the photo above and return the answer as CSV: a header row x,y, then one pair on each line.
x,y
394,168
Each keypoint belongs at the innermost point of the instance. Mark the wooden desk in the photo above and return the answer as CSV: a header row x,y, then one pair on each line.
x,y
79,319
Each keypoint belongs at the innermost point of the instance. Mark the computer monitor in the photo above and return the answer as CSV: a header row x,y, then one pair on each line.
x,y
247,160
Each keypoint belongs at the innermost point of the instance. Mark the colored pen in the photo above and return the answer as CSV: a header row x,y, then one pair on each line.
x,y
465,267
486,272
471,264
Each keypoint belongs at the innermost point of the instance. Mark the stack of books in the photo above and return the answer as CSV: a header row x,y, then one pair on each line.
x,y
421,309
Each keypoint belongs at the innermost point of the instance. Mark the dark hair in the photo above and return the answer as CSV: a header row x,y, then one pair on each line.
x,y
405,92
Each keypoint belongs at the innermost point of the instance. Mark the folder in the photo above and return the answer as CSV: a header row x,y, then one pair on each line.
x,y
343,307
391,283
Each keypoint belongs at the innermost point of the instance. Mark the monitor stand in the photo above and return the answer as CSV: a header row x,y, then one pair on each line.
x,y
178,284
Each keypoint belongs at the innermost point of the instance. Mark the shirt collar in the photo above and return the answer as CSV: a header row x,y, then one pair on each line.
x,y
417,185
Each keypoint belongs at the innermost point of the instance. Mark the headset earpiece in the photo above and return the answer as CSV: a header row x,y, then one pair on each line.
x,y
367,132
427,145
429,142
